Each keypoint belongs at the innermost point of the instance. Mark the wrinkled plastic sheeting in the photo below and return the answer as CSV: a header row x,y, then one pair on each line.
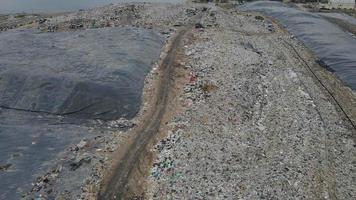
x,y
30,144
333,46
83,75
341,16
95,74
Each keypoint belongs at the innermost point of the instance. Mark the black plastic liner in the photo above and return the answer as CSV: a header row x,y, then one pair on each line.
x,y
340,16
54,87
334,47
96,74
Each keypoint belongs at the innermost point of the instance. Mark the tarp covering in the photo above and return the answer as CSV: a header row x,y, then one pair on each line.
x,y
335,47
96,74
341,16
52,86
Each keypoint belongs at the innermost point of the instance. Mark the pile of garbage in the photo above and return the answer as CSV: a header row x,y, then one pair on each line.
x,y
161,17
261,131
164,167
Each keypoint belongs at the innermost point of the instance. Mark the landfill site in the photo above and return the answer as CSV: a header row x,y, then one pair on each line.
x,y
189,100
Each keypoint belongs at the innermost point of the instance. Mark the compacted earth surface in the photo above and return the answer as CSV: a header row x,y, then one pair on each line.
x,y
249,113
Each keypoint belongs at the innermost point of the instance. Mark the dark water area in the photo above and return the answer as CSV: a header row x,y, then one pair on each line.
x,y
54,86
30,6
333,46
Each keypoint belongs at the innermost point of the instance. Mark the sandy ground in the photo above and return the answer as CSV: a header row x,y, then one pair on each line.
x,y
255,122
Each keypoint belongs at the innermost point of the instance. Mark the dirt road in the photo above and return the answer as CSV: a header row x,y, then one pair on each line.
x,y
119,185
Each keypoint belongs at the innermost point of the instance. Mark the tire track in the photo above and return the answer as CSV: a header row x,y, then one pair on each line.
x,y
118,186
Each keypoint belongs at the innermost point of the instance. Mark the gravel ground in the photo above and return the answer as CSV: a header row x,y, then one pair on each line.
x,y
257,125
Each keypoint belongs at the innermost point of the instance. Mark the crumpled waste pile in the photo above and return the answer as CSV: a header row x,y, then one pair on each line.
x,y
161,17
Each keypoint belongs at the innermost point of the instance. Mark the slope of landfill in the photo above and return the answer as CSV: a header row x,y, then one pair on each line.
x,y
62,93
344,21
250,114
334,47
257,125
95,74
79,91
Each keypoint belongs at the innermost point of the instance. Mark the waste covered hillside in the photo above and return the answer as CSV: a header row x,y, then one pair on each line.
x,y
177,101
335,47
257,124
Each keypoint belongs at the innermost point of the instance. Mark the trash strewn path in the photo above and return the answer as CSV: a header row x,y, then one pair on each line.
x,y
257,125
119,184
